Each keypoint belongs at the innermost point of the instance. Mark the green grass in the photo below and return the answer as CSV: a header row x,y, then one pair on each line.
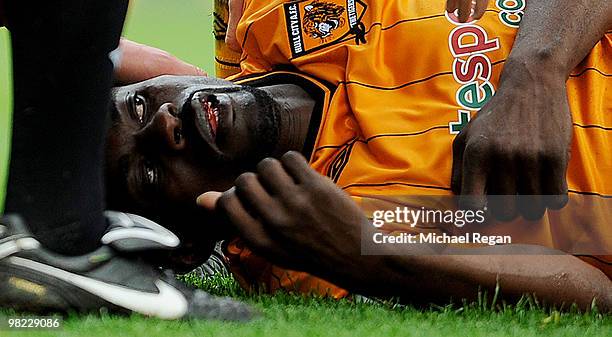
x,y
184,28
292,315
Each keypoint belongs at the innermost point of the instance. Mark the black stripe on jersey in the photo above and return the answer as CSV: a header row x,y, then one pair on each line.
x,y
402,21
593,126
412,20
416,133
448,188
591,193
246,34
609,263
407,134
591,69
396,87
408,83
225,63
396,183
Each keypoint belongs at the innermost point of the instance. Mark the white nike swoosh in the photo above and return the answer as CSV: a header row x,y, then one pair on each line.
x,y
169,303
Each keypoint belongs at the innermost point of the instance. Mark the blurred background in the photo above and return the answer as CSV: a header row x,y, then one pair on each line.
x,y
183,28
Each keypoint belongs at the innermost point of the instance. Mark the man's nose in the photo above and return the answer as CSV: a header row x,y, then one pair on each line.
x,y
164,131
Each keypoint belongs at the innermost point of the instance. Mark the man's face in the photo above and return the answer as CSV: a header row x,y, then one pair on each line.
x,y
173,138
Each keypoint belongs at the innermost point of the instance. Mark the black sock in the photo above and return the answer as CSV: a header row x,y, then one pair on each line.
x,y
62,80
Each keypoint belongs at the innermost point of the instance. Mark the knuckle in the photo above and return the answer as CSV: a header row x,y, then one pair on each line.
x,y
320,187
224,201
459,141
528,155
267,164
478,146
292,157
244,180
553,157
298,200
278,218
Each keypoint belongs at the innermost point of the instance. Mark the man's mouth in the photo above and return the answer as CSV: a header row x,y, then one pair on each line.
x,y
213,117
210,105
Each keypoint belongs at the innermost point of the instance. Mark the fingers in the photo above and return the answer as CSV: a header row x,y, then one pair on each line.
x,y
242,205
554,183
456,173
479,8
257,200
274,177
208,200
502,188
297,166
465,10
451,5
235,13
475,171
251,230
530,202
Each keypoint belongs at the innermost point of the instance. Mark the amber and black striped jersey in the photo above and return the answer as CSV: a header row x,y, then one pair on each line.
x,y
406,78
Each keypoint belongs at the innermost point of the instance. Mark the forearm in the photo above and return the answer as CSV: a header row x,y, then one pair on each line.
x,y
555,279
141,62
555,35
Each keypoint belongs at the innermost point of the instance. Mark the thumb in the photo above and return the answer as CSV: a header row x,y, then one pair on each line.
x,y
208,200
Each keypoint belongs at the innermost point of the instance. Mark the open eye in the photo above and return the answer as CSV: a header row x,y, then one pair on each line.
x,y
139,108
150,174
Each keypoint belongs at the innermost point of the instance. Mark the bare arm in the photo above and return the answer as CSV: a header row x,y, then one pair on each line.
x,y
140,62
519,142
555,279
301,220
555,35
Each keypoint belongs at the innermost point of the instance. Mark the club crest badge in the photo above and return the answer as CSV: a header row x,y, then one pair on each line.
x,y
316,24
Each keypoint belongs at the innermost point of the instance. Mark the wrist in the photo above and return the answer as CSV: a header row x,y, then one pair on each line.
x,y
536,66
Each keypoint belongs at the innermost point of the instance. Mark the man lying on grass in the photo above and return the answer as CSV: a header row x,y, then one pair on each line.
x,y
373,93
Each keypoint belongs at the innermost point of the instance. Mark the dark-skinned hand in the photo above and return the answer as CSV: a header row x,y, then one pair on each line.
x,y
517,145
292,215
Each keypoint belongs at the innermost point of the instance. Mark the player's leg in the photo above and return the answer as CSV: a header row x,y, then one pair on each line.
x,y
62,80
62,76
